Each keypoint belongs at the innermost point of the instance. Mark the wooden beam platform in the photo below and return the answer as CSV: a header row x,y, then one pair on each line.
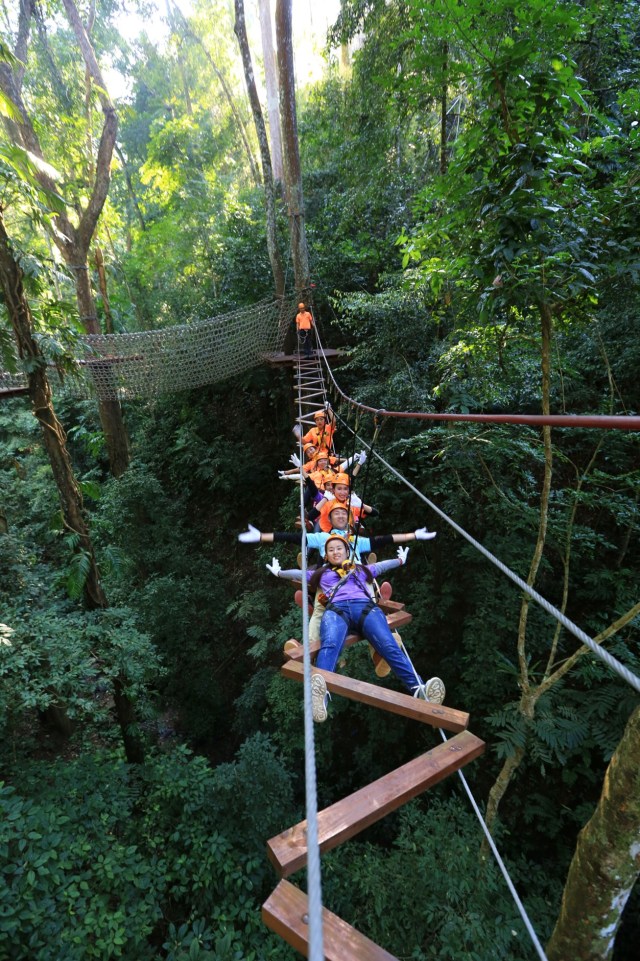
x,y
346,818
436,715
280,359
286,913
390,607
395,620
6,392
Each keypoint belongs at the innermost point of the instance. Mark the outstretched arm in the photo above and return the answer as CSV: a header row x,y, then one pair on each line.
x,y
290,575
422,534
254,536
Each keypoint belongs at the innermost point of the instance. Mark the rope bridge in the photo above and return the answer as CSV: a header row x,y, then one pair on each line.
x,y
150,363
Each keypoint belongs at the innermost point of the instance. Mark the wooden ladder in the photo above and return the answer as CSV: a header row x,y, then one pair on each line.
x,y
286,910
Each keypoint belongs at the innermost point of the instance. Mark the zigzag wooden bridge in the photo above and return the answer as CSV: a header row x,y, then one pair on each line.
x,y
285,911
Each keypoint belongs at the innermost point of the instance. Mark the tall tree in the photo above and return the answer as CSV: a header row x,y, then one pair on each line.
x,y
237,116
73,236
606,863
54,437
291,147
271,83
267,171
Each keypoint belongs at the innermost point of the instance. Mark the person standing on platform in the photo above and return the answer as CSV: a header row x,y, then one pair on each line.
x,y
304,325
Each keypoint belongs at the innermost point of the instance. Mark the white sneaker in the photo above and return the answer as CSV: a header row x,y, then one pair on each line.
x,y
318,698
432,691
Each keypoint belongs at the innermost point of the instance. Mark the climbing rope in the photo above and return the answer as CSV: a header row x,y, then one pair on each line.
x,y
494,850
314,884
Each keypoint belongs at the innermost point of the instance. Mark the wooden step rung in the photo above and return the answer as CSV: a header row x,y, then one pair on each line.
x,y
286,913
346,818
394,620
436,715
390,607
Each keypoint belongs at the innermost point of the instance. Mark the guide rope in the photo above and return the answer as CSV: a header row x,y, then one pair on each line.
x,y
568,624
314,882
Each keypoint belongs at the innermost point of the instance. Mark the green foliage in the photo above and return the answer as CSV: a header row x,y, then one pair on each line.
x,y
105,861
410,900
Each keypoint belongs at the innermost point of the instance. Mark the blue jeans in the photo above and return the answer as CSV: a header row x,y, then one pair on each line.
x,y
334,629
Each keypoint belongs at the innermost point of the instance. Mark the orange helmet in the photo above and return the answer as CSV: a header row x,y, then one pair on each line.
x,y
320,413
336,505
342,479
300,306
337,537
307,446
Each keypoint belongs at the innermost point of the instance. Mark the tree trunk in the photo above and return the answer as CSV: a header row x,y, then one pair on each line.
x,y
444,157
129,182
291,150
606,863
102,280
271,83
115,434
73,241
267,172
529,696
55,444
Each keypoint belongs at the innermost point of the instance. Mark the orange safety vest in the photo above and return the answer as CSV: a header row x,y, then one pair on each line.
x,y
323,518
321,439
304,320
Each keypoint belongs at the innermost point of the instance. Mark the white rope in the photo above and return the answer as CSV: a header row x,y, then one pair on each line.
x,y
615,665
314,883
514,894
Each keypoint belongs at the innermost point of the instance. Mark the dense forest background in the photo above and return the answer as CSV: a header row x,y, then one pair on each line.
x,y
470,177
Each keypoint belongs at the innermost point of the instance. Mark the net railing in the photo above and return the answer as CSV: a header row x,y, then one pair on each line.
x,y
150,363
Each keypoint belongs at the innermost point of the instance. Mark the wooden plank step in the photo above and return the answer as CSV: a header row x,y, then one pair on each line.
x,y
286,913
346,818
436,715
395,620
390,607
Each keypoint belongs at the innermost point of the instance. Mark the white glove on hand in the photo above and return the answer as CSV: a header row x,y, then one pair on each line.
x,y
329,496
403,553
252,536
281,474
361,457
295,460
422,534
274,567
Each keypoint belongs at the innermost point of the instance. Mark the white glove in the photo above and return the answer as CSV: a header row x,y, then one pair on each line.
x,y
252,536
295,460
274,567
329,496
422,534
403,553
281,474
361,457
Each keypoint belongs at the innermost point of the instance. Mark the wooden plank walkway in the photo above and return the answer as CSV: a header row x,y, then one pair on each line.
x,y
336,824
286,913
287,360
436,715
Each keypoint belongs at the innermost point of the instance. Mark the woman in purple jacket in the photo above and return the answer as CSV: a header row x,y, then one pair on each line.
x,y
349,606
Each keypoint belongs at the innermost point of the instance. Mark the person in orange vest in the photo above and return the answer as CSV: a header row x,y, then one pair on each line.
x,y
321,511
321,436
304,324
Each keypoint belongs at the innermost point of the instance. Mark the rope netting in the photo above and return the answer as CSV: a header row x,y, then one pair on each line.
x,y
153,362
